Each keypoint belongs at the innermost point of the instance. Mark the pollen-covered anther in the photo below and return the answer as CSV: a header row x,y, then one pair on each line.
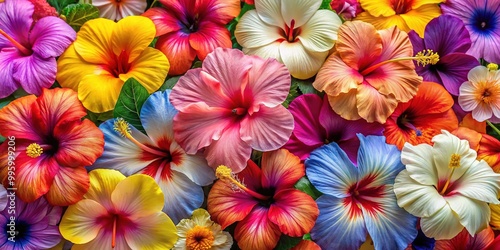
x,y
34,150
222,172
454,161
426,57
492,66
121,126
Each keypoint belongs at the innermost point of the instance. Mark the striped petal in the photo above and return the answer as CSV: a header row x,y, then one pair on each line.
x,y
164,21
442,225
156,231
68,187
157,115
257,231
16,119
252,32
176,47
209,37
280,169
34,175
79,221
93,41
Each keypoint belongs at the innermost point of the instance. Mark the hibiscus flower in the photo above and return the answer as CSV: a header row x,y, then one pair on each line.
x,y
188,29
423,117
263,201
231,105
105,55
28,52
158,155
295,32
119,213
446,186
464,240
370,72
359,200
53,146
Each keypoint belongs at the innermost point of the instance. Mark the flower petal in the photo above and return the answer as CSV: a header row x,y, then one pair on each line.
x,y
336,77
419,200
164,21
271,50
268,129
71,68
345,105
480,183
99,93
456,66
444,224
294,212
209,37
155,231
306,111
465,240
157,115
16,119
383,22
301,11
257,231
8,85
270,12
104,239
474,215
445,145
150,68
140,32
301,63
229,150
69,186
337,226
447,34
34,175
418,18
374,106
34,73
93,42
50,36
319,33
280,169
137,195
195,167
378,8
418,160
330,170
252,32
102,183
176,47
219,11
16,20
79,223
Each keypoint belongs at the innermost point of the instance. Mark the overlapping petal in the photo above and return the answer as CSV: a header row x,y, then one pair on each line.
x,y
51,36
257,225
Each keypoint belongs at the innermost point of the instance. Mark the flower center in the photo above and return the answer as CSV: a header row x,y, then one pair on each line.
x,y
122,65
34,150
25,51
404,122
291,33
401,6
121,126
453,164
423,58
199,238
225,174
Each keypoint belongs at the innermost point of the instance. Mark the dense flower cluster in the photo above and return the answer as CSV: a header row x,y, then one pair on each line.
x,y
250,124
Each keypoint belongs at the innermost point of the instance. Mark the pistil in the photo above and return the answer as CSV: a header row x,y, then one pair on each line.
x,y
113,236
225,174
423,58
20,47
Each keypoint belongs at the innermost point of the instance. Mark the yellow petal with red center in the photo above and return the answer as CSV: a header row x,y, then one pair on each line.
x,y
93,41
69,186
417,19
102,183
359,44
344,105
132,35
417,3
153,231
138,196
71,68
99,93
150,69
384,22
80,223
495,216
378,8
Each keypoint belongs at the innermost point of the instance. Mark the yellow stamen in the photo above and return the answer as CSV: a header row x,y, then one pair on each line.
x,y
492,66
453,164
199,238
423,58
121,126
34,150
225,174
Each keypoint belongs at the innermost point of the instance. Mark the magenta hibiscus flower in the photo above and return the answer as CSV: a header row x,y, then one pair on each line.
x,y
231,105
317,124
28,55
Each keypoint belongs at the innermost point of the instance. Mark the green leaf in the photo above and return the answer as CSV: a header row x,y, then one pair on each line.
x,y
306,186
77,14
60,4
305,86
492,132
5,101
307,237
292,94
130,101
286,242
325,5
170,83
97,118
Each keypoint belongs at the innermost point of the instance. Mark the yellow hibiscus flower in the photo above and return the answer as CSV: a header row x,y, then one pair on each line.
x,y
105,54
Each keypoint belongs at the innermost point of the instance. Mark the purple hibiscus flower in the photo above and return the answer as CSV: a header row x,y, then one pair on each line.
x,y
28,52
482,19
447,36
317,124
29,225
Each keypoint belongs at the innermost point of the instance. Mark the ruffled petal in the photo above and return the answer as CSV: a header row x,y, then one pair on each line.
x,y
156,231
150,69
252,32
374,106
209,37
345,105
306,112
227,205
219,11
444,224
50,36
338,225
383,22
268,129
68,187
301,62
138,196
164,21
176,47
354,53
71,68
257,231
419,200
229,150
132,35
474,215
301,11
34,73
34,175
79,224
102,183
320,32
93,42
294,212
418,160
280,169
99,93
336,77
16,119
330,170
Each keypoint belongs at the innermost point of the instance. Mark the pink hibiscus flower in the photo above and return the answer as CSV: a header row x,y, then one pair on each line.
x,y
231,105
